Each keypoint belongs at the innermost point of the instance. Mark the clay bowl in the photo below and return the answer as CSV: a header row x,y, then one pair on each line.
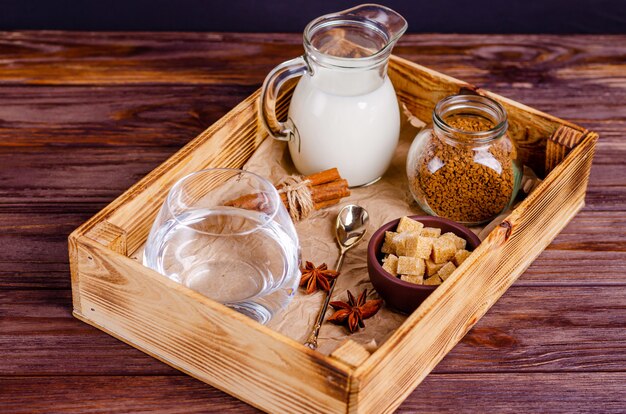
x,y
398,294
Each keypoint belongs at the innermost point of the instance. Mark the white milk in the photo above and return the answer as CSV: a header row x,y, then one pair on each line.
x,y
346,120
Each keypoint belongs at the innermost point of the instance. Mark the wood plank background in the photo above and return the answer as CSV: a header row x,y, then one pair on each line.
x,y
85,115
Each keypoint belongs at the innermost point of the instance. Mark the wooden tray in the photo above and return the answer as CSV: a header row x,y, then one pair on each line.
x,y
268,370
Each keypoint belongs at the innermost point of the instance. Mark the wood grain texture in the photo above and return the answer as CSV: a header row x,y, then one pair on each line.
x,y
450,311
62,176
115,394
122,308
109,235
439,393
571,259
351,353
528,128
94,116
529,330
213,147
203,338
126,102
519,393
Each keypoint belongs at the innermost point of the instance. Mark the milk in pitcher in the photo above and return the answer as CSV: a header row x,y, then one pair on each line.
x,y
352,124
344,112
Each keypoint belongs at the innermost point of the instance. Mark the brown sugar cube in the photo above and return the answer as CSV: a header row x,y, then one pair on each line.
x,y
459,242
389,246
460,256
424,247
418,246
390,264
410,266
432,267
443,250
446,270
433,280
431,232
407,224
416,279
400,240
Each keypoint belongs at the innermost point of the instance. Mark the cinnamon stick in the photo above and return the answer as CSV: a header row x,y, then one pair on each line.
x,y
319,194
256,201
324,185
327,188
327,203
321,177
328,191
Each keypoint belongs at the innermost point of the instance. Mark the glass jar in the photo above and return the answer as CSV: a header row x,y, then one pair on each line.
x,y
464,167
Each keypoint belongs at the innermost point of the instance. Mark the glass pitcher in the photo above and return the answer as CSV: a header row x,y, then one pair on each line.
x,y
344,111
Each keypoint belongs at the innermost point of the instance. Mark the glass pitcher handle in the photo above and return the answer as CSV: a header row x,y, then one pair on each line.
x,y
283,131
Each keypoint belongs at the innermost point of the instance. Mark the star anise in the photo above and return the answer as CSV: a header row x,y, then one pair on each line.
x,y
316,277
354,311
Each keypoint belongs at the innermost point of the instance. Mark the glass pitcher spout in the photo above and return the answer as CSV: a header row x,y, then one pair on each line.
x,y
390,21
356,37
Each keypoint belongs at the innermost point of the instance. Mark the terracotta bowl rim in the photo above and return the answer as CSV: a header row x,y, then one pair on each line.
x,y
471,238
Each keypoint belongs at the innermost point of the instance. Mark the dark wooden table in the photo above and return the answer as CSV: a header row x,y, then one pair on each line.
x,y
85,115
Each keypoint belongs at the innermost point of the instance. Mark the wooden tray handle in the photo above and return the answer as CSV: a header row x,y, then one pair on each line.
x,y
109,235
560,144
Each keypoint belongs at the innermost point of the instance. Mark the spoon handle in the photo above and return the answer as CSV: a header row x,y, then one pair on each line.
x,y
311,342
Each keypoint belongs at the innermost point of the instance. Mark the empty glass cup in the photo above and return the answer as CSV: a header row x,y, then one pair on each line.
x,y
247,259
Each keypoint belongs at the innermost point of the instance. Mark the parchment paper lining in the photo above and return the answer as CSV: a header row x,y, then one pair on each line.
x,y
385,200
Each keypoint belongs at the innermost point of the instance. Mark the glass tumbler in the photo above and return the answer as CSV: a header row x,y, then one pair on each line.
x,y
247,259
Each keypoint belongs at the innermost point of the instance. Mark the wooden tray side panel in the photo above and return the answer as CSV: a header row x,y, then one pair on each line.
x,y
402,362
204,339
420,88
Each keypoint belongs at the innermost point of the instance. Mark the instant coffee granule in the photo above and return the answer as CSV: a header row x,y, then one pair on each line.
x,y
462,180
469,123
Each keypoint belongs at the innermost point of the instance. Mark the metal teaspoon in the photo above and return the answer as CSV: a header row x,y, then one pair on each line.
x,y
350,228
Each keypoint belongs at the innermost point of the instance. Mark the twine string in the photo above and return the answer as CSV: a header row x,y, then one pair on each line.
x,y
299,198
